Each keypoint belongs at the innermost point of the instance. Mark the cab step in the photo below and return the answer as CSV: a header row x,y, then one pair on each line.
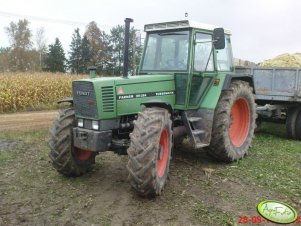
x,y
198,131
194,119
195,126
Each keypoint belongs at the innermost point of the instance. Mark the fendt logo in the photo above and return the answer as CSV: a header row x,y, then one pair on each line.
x,y
82,93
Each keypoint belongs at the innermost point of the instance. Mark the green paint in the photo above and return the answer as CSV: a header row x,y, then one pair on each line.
x,y
195,89
133,105
211,98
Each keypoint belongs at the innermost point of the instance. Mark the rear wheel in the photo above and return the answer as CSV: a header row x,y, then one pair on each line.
x,y
66,158
150,151
298,126
234,123
291,122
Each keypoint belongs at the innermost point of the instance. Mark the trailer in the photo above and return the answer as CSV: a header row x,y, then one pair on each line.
x,y
277,95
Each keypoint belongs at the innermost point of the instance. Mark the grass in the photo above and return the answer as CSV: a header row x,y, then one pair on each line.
x,y
210,215
6,156
30,136
273,164
272,169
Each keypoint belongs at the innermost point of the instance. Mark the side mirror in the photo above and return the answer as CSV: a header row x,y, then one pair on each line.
x,y
219,38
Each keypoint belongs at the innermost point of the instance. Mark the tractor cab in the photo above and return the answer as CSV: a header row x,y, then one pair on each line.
x,y
194,52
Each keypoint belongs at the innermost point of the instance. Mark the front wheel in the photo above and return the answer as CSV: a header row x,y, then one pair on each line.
x,y
67,159
234,122
150,151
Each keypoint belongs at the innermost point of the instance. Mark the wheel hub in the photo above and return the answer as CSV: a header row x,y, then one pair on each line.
x,y
81,154
240,122
163,153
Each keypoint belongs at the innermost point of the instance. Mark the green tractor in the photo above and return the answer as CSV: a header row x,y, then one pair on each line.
x,y
185,85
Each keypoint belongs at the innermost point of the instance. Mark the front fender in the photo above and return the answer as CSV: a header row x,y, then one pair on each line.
x,y
66,100
158,103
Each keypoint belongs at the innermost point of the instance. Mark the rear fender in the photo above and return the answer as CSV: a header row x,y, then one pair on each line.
x,y
230,77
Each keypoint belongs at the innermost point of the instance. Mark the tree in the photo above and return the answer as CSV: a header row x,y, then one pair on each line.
x,y
85,54
4,59
21,56
55,60
94,35
99,46
117,42
19,34
75,58
41,45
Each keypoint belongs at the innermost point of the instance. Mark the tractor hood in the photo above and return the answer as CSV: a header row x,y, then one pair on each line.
x,y
111,97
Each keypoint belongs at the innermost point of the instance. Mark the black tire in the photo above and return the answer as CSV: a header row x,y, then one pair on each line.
x,y
291,122
65,158
227,144
298,126
148,173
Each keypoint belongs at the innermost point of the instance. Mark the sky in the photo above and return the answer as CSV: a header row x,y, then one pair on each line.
x,y
261,29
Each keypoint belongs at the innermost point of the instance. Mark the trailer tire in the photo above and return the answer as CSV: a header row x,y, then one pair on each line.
x,y
298,126
234,122
67,159
258,124
150,151
292,122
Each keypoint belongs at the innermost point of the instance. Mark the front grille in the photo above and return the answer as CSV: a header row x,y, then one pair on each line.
x,y
107,93
87,124
84,99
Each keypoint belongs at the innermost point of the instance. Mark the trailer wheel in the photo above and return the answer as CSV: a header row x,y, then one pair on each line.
x,y
67,159
258,124
150,151
298,126
291,122
234,123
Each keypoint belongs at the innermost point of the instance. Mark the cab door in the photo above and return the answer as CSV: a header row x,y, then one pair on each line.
x,y
203,71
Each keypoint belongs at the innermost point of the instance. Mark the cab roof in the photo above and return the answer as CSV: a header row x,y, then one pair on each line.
x,y
180,24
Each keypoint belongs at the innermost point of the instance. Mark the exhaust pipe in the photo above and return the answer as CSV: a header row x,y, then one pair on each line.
x,y
126,47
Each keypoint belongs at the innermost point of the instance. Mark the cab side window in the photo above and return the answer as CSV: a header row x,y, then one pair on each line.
x,y
224,57
203,56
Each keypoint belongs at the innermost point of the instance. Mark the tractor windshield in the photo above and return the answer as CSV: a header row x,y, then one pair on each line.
x,y
166,51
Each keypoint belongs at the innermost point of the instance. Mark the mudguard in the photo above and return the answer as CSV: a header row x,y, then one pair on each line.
x,y
243,77
66,100
158,103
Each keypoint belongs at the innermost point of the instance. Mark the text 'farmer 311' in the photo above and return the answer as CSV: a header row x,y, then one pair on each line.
x,y
185,85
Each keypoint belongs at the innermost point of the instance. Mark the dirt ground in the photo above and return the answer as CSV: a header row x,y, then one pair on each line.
x,y
21,121
33,193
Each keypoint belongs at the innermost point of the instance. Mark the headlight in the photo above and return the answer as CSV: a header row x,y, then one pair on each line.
x,y
80,122
95,125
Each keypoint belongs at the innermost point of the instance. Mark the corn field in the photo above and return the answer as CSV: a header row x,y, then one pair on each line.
x,y
35,91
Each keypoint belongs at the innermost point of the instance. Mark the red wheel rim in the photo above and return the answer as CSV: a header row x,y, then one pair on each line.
x,y
240,122
82,155
163,153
